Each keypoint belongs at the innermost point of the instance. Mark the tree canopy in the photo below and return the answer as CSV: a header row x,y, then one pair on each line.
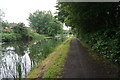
x,y
44,23
91,16
95,24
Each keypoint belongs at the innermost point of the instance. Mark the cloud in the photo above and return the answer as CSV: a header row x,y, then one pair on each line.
x,y
18,10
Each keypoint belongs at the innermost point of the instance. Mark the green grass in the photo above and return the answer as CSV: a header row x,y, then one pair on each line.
x,y
55,67
52,66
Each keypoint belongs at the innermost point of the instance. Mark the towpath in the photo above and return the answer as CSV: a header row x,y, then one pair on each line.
x,y
79,64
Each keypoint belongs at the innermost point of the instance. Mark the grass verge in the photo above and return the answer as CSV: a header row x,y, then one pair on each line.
x,y
52,66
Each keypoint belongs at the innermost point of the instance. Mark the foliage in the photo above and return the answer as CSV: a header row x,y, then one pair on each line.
x,y
66,32
24,32
107,44
20,29
19,32
4,25
45,23
96,24
10,37
33,34
53,62
10,31
55,66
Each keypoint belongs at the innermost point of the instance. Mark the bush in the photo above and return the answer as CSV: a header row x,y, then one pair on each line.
x,y
11,31
32,34
105,42
19,32
20,29
8,37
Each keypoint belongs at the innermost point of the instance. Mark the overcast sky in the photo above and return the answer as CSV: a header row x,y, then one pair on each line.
x,y
18,10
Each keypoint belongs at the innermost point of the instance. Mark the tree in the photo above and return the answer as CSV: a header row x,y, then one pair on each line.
x,y
20,29
54,27
95,24
44,23
4,25
92,14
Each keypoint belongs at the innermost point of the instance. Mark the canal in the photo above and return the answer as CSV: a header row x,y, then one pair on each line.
x,y
18,58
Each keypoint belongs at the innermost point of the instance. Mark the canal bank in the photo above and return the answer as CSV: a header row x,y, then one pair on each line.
x,y
18,58
52,66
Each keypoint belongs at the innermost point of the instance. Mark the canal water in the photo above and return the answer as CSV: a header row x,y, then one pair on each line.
x,y
18,58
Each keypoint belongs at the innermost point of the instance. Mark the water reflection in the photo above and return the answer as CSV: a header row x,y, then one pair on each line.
x,y
14,66
18,58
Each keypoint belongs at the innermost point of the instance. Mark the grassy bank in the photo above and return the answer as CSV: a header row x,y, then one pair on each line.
x,y
52,66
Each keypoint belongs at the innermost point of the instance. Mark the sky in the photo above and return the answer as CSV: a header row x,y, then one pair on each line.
x,y
18,10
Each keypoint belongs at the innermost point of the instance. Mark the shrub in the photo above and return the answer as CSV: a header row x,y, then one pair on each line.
x,y
8,37
20,29
11,31
105,42
19,32
32,34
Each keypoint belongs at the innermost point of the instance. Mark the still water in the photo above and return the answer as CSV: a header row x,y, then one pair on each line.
x,y
18,58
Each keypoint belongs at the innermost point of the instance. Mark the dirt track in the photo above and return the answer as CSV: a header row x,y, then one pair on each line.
x,y
79,64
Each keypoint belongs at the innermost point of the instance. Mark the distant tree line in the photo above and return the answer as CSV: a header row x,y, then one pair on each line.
x,y
17,33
